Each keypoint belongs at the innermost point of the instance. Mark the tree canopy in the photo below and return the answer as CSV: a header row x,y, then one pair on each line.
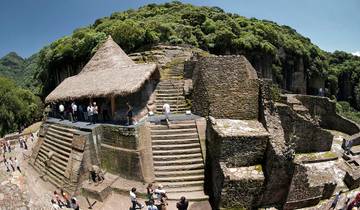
x,y
18,106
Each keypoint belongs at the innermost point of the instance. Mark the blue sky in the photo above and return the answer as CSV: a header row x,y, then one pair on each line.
x,y
27,26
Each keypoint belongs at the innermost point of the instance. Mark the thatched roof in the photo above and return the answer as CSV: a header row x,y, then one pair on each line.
x,y
109,72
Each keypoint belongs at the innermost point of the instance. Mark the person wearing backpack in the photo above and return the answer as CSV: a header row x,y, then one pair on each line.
x,y
151,206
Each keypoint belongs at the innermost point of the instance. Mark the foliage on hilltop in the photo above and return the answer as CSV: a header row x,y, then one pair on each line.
x,y
18,106
208,28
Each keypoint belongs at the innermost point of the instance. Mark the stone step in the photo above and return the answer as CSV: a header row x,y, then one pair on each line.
x,y
61,128
182,184
173,126
174,131
56,150
177,157
180,105
175,136
176,152
191,196
56,144
68,135
178,162
180,178
52,175
169,91
179,173
54,166
176,141
174,110
61,157
60,141
175,146
178,97
61,167
169,94
185,189
179,167
61,137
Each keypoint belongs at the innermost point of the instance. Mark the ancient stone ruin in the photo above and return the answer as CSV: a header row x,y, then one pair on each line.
x,y
232,141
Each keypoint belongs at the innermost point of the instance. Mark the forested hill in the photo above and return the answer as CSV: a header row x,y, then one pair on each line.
x,y
270,47
19,69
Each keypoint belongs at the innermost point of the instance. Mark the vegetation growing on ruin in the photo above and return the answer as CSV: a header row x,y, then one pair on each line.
x,y
343,108
18,106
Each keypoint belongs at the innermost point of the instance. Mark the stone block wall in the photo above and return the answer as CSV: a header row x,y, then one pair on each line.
x,y
225,87
126,151
234,175
118,152
305,134
301,194
325,109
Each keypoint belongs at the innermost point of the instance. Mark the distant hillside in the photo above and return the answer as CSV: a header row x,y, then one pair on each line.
x,y
19,69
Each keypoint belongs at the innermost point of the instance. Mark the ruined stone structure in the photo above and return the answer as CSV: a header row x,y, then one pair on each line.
x,y
243,149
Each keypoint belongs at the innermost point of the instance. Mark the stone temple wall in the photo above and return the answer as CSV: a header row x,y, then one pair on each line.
x,y
305,134
325,109
235,151
126,151
225,87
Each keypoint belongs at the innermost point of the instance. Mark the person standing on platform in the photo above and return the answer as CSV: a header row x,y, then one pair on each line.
x,y
95,113
90,113
61,111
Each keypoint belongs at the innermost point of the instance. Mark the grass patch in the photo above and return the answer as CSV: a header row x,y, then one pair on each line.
x,y
344,109
33,128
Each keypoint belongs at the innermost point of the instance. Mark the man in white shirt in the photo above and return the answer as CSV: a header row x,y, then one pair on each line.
x,y
74,111
134,200
90,112
61,110
166,109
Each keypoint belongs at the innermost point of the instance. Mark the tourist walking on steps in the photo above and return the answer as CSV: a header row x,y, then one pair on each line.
x,y
183,204
61,111
90,112
74,204
134,201
166,109
129,114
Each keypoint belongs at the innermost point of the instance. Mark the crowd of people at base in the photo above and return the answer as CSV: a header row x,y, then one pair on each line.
x,y
10,163
63,201
353,205
156,199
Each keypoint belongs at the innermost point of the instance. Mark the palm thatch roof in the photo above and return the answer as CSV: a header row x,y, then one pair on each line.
x,y
110,72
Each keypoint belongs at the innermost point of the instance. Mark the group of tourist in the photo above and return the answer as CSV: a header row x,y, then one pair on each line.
x,y
353,205
75,112
156,199
63,200
11,163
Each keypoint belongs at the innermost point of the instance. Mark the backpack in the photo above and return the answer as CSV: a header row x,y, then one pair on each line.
x,y
152,207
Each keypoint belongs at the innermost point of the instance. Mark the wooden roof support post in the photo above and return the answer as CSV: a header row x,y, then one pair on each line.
x,y
113,106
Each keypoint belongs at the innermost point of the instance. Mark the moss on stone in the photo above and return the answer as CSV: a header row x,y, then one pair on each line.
x,y
258,168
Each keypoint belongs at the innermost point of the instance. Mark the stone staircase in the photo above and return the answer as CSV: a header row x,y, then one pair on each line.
x,y
58,140
178,161
297,106
170,90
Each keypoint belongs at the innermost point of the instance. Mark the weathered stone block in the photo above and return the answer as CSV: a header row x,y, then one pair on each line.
x,y
79,142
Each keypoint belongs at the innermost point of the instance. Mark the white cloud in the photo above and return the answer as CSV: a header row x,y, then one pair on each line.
x,y
357,53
